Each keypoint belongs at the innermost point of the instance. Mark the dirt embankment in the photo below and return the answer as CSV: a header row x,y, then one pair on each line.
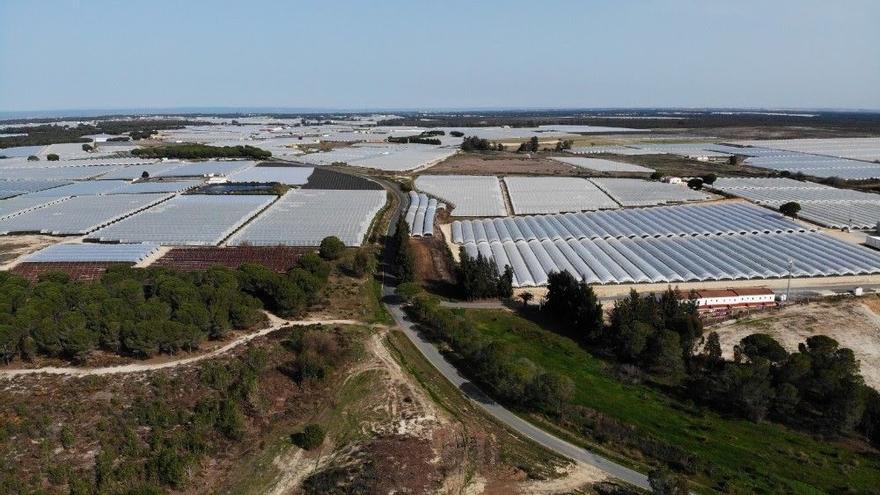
x,y
854,323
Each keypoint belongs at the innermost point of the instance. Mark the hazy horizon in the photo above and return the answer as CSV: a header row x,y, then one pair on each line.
x,y
66,55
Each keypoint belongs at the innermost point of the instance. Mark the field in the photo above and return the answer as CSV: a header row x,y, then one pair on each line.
x,y
502,164
765,457
679,166
852,322
84,271
277,258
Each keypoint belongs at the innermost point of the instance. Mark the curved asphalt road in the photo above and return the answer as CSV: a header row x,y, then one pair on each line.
x,y
394,305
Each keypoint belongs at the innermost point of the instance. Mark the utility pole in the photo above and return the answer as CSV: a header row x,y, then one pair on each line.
x,y
788,285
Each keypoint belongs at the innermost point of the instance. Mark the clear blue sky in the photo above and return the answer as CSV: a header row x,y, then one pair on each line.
x,y
67,54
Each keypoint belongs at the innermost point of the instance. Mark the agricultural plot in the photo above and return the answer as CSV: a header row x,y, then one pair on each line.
x,y
382,156
328,179
56,173
420,214
90,252
472,196
11,188
84,271
279,259
679,259
80,214
196,220
615,150
304,217
136,171
82,188
667,221
20,204
601,165
817,166
166,186
207,168
535,195
867,149
820,204
637,192
274,173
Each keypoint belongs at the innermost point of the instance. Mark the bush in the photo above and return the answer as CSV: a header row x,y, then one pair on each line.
x,y
52,157
311,437
331,248
790,209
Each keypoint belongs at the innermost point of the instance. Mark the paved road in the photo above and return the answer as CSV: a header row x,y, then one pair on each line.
x,y
471,391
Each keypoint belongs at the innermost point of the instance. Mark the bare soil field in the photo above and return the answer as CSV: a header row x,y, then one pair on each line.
x,y
502,164
11,247
854,323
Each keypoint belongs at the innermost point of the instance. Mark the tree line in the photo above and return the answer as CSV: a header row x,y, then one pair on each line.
x,y
516,381
478,278
817,389
202,151
474,143
143,312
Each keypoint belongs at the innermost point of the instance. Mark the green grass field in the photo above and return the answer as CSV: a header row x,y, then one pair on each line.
x,y
760,457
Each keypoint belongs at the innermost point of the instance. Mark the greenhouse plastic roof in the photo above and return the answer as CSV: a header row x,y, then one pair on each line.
x,y
472,195
196,220
304,217
90,252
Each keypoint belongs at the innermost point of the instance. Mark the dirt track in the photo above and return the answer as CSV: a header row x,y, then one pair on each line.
x,y
276,324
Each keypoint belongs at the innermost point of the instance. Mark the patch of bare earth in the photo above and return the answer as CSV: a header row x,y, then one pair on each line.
x,y
501,164
12,247
854,323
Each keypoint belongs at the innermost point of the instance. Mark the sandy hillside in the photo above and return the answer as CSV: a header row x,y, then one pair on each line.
x,y
853,323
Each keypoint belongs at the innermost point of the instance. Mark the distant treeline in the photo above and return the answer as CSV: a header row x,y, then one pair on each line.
x,y
196,151
852,122
42,135
143,312
426,137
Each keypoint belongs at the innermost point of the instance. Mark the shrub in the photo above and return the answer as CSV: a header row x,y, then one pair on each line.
x,y
311,437
331,248
52,157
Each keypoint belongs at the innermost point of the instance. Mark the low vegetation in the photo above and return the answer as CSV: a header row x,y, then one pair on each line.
x,y
643,400
202,151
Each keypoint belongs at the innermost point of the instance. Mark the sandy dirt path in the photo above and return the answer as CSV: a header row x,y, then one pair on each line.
x,y
275,324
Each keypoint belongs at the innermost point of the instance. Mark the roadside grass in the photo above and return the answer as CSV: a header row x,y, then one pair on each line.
x,y
765,457
535,461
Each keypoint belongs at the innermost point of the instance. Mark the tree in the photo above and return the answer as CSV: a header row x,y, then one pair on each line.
x,y
526,298
761,346
790,209
33,158
695,183
474,143
709,179
52,157
736,160
363,262
404,260
331,248
574,302
145,175
311,437
87,147
456,133
656,175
